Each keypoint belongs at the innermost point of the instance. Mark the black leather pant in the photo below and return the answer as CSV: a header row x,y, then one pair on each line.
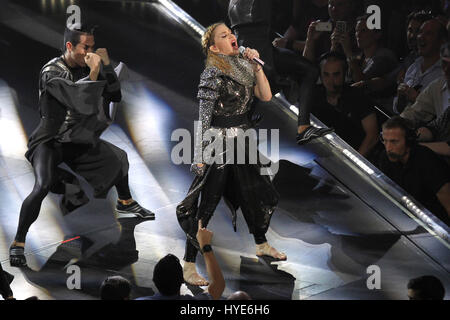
x,y
210,197
304,72
45,161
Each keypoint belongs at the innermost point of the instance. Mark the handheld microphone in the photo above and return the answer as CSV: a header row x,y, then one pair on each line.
x,y
257,60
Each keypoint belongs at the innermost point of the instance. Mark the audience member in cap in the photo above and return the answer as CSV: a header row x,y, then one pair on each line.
x,y
425,288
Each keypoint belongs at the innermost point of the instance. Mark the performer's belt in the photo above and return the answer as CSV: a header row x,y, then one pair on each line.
x,y
230,121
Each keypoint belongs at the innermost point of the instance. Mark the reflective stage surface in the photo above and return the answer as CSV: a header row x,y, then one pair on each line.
x,y
332,225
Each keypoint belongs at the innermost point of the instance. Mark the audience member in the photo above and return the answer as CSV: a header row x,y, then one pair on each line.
x,y
343,107
413,23
436,135
415,168
115,288
319,42
390,80
168,274
251,21
239,295
375,61
434,99
426,68
426,288
303,13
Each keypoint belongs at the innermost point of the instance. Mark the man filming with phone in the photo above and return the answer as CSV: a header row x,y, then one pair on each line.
x,y
342,22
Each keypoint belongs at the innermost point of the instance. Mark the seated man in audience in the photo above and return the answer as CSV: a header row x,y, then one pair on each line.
x,y
115,288
344,108
436,135
426,68
168,274
426,288
434,99
417,169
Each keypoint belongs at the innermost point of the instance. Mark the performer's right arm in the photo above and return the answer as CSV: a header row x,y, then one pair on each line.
x,y
208,94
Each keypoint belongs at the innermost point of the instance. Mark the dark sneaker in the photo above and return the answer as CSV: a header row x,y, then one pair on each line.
x,y
312,133
17,257
133,210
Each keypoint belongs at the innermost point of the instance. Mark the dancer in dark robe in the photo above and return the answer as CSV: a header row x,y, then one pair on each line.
x,y
75,92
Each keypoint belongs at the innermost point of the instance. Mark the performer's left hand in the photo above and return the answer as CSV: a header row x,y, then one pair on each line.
x,y
103,53
250,54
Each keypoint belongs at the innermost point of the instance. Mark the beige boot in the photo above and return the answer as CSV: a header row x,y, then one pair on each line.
x,y
191,276
264,249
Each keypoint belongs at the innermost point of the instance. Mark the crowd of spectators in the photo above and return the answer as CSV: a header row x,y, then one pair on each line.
x,y
399,71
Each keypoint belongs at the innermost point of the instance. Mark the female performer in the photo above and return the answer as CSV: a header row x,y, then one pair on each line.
x,y
226,90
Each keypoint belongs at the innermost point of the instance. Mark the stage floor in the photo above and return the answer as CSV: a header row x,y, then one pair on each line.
x,y
332,224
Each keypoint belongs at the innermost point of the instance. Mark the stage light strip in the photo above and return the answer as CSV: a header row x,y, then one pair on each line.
x,y
176,11
352,156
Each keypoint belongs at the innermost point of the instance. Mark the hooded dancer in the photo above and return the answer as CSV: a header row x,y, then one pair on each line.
x,y
75,91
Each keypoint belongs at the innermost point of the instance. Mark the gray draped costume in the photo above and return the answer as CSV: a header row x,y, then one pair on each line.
x,y
74,112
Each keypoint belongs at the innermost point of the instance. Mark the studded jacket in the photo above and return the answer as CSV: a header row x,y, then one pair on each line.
x,y
222,94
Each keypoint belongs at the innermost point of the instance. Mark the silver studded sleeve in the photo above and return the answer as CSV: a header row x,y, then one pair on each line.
x,y
208,94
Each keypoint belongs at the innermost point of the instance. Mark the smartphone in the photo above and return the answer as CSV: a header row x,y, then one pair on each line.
x,y
324,26
341,26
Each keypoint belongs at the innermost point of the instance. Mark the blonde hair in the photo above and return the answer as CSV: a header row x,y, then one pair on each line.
x,y
213,59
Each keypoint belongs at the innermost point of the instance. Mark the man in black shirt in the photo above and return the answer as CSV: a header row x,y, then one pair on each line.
x,y
415,168
344,108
